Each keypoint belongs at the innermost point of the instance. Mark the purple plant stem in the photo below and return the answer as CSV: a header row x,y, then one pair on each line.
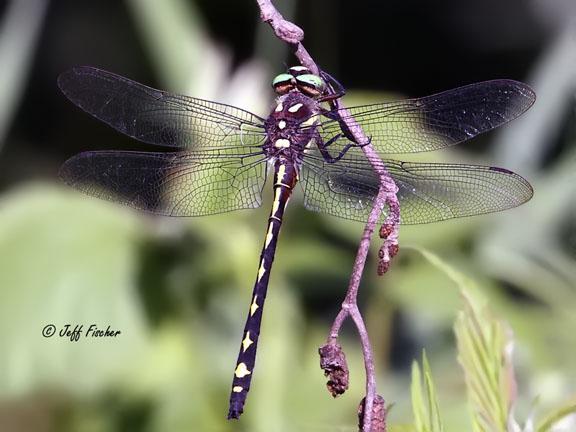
x,y
293,35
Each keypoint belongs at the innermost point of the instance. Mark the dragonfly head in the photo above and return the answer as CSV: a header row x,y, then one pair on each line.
x,y
299,78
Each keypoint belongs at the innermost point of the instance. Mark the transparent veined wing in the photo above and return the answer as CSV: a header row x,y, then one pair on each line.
x,y
428,192
171,184
437,121
159,117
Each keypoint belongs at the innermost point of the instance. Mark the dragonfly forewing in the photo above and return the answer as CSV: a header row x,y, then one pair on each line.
x,y
437,121
159,117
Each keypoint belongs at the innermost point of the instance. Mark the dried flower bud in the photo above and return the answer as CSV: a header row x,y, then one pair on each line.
x,y
386,230
383,267
378,422
333,362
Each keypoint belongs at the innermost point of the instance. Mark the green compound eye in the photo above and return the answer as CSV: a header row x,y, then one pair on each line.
x,y
281,79
311,80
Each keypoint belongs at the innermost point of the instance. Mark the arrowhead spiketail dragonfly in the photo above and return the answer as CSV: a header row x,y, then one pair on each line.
x,y
223,154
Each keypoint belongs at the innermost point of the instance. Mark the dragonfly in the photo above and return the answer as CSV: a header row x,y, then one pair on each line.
x,y
224,154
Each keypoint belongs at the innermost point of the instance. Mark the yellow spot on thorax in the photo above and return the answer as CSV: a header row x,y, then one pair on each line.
x,y
310,121
308,148
281,124
295,107
279,107
282,143
241,370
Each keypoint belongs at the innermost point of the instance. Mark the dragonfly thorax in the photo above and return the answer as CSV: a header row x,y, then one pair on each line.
x,y
291,125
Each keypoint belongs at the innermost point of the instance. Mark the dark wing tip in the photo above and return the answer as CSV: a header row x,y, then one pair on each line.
x,y
78,79
72,84
524,94
104,175
73,170
526,91
71,75
521,93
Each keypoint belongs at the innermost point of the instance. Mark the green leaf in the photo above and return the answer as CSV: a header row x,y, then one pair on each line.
x,y
424,401
555,416
418,405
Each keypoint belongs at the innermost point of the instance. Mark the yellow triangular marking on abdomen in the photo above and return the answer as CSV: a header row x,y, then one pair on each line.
x,y
241,370
253,306
261,271
247,341
276,201
269,235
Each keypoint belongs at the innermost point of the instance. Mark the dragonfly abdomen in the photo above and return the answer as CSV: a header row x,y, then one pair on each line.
x,y
284,180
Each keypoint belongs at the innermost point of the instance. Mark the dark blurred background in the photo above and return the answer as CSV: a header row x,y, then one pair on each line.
x,y
178,289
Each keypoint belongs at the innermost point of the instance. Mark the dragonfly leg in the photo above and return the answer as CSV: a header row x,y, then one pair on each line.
x,y
366,143
336,89
333,115
330,98
336,92
323,147
332,140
